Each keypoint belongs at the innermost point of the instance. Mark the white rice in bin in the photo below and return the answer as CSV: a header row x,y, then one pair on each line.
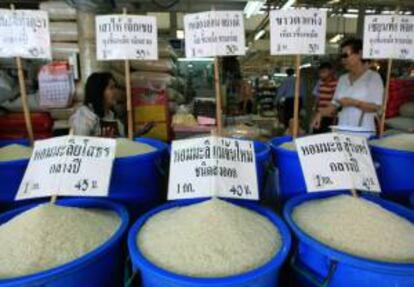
x,y
126,147
209,239
403,142
358,227
15,152
48,236
289,146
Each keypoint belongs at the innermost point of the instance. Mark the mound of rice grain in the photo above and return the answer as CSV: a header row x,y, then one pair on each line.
x,y
48,236
403,142
289,146
210,239
359,227
15,152
126,147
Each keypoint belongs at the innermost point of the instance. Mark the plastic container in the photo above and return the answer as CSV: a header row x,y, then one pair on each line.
x,y
101,267
289,178
353,131
412,200
315,264
11,175
264,276
263,163
395,173
139,182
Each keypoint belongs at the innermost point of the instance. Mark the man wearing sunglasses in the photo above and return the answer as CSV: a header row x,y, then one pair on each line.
x,y
359,93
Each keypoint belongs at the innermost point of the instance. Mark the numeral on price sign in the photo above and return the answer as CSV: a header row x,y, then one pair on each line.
x,y
185,188
240,190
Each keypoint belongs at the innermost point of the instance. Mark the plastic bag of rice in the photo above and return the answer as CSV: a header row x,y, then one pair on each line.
x,y
48,236
15,152
402,142
126,147
209,239
358,227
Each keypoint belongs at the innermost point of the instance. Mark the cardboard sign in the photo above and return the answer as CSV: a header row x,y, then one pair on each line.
x,y
214,33
69,166
126,37
337,162
294,32
389,37
213,166
24,33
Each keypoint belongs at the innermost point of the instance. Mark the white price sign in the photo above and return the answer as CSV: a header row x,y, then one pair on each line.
x,y
24,33
69,166
300,32
126,37
213,166
389,37
214,33
336,162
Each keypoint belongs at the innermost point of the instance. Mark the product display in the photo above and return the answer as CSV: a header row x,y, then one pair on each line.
x,y
15,152
125,148
49,235
358,227
402,142
210,239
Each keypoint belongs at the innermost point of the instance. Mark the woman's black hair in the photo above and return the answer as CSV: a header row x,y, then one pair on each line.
x,y
94,92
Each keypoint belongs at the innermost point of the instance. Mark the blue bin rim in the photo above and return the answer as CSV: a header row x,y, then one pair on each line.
x,y
359,262
276,142
85,259
263,154
158,145
412,199
277,261
390,151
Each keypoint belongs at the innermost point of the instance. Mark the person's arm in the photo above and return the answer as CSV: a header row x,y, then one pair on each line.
x,y
362,105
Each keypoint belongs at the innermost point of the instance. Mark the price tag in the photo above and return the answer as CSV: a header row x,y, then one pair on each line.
x,y
389,37
301,32
214,33
213,166
24,33
69,166
336,162
126,37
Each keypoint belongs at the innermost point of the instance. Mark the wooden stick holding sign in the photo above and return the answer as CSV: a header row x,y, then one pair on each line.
x,y
23,94
130,118
218,96
386,97
297,98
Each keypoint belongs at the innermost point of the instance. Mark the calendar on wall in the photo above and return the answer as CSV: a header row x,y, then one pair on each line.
x,y
56,85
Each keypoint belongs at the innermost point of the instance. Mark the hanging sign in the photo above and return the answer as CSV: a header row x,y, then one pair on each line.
x,y
337,162
24,33
214,33
297,32
69,166
213,166
389,37
126,37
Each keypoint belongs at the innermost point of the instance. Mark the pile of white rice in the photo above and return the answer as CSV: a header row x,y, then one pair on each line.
x,y
403,142
15,152
48,236
210,239
126,147
359,227
289,146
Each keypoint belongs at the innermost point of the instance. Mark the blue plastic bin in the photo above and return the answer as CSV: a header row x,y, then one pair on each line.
x,y
395,172
290,181
263,163
318,265
102,267
264,276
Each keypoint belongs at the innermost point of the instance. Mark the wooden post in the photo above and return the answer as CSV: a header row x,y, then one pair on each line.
x,y
297,97
130,119
354,193
386,96
218,97
23,94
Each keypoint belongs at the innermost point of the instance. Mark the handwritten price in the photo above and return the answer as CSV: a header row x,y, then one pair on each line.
x,y
240,190
322,181
185,188
86,184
